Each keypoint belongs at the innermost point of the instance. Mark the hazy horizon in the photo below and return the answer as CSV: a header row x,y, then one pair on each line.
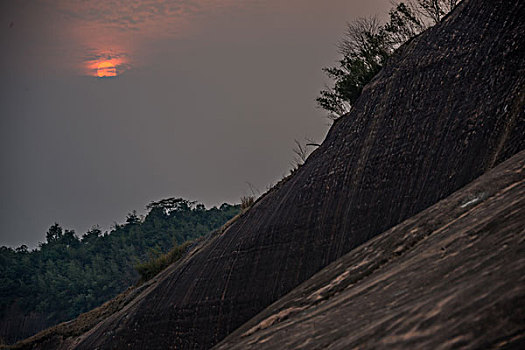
x,y
109,106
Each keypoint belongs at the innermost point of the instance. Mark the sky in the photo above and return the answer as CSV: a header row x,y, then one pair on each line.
x,y
106,106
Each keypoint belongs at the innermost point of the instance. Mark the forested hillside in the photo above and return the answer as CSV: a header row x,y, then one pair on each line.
x,y
68,275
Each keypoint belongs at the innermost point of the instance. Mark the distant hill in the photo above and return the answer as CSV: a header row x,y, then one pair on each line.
x,y
67,276
447,107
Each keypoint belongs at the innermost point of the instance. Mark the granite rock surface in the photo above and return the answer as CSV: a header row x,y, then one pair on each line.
x,y
449,277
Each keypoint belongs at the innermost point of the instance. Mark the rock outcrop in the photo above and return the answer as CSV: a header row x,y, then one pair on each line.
x,y
447,107
449,277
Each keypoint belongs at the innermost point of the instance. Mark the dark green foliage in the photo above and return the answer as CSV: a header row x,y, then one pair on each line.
x,y
156,264
366,46
355,70
67,276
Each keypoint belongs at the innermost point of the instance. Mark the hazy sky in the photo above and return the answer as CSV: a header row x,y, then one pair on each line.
x,y
209,96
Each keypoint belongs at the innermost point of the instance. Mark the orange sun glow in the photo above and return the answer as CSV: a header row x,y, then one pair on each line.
x,y
106,69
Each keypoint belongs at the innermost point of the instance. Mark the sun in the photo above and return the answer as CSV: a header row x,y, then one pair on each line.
x,y
106,65
106,69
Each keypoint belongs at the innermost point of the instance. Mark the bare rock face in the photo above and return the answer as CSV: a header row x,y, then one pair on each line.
x,y
447,107
16,324
449,277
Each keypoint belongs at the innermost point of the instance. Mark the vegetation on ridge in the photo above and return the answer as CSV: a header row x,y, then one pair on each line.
x,y
150,268
366,46
67,275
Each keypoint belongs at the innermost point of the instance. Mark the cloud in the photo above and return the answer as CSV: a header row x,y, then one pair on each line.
x,y
122,31
133,14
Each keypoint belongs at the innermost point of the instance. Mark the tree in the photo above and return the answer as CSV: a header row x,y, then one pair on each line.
x,y
404,23
366,46
433,10
94,233
69,238
172,204
364,51
22,249
132,218
54,233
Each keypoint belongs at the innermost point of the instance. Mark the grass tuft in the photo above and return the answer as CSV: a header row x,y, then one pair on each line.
x,y
247,202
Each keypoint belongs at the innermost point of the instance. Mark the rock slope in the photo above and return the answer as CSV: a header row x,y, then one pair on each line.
x,y
451,276
447,107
